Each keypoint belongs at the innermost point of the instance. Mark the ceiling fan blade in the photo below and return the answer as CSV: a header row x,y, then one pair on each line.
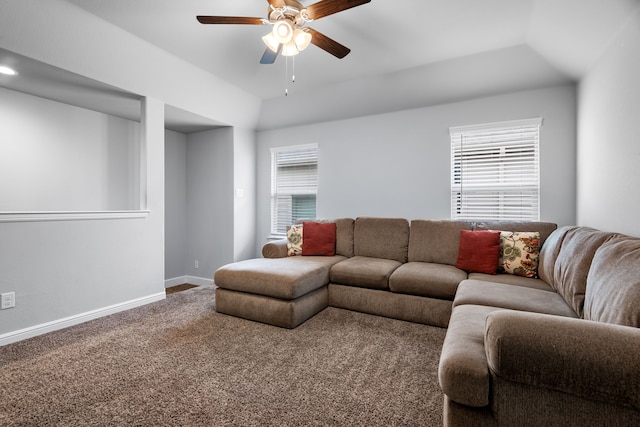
x,y
269,56
278,4
230,20
329,7
327,44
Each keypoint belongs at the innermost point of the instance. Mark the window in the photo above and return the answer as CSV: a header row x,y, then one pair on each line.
x,y
294,185
495,171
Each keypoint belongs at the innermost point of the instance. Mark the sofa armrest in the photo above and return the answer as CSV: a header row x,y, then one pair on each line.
x,y
275,249
597,361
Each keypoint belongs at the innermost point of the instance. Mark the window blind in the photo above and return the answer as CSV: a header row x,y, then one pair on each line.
x,y
495,172
294,185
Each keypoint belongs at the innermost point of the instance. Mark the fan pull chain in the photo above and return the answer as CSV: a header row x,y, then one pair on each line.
x,y
286,73
286,76
293,69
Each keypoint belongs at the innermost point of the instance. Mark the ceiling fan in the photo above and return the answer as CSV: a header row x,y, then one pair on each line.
x,y
290,34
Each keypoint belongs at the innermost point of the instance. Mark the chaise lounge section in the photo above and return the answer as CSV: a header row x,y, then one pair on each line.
x,y
383,266
278,289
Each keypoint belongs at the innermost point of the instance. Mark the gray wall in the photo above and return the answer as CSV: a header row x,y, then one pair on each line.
x,y
67,270
48,165
64,272
609,137
244,170
210,204
398,164
175,208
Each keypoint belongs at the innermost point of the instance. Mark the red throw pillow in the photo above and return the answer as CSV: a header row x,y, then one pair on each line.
x,y
479,251
319,239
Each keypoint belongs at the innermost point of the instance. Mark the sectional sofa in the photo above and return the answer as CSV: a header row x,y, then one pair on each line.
x,y
559,347
382,266
566,353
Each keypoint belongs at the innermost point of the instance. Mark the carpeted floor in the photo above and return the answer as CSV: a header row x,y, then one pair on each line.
x,y
178,362
178,288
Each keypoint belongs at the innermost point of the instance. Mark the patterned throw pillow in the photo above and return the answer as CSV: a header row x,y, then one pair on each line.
x,y
294,240
519,253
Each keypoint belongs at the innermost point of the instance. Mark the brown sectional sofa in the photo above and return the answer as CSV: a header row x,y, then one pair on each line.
x,y
565,352
382,266
561,349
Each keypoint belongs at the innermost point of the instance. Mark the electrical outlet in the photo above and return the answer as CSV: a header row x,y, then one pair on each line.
x,y
8,300
197,264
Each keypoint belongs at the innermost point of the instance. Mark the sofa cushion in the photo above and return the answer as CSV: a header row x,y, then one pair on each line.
x,y
344,235
549,253
284,278
519,252
386,238
613,283
319,239
510,279
364,272
435,241
573,262
479,251
544,228
427,279
463,372
475,292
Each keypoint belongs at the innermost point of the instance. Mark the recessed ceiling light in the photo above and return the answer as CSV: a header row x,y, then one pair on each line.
x,y
8,71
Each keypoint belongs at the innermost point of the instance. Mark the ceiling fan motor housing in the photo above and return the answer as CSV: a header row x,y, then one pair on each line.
x,y
292,11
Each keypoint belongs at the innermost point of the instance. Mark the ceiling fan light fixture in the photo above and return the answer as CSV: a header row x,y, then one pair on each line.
x,y
271,42
302,39
283,31
7,70
289,34
290,49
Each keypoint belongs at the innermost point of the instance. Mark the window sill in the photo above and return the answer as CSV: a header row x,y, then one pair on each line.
x,y
70,215
276,237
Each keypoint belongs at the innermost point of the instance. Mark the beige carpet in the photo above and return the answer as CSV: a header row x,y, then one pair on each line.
x,y
178,362
178,288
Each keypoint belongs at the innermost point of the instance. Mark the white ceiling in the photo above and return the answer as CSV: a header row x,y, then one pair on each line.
x,y
386,36
404,53
46,81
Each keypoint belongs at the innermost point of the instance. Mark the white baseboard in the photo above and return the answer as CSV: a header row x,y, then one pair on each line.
x,y
199,281
175,281
192,280
44,328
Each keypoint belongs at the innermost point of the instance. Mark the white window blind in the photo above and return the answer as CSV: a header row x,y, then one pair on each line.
x,y
495,172
294,185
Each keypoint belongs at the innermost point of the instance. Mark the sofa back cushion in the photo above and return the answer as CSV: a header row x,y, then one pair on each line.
x,y
344,234
542,227
524,262
382,238
613,283
573,262
435,241
549,253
